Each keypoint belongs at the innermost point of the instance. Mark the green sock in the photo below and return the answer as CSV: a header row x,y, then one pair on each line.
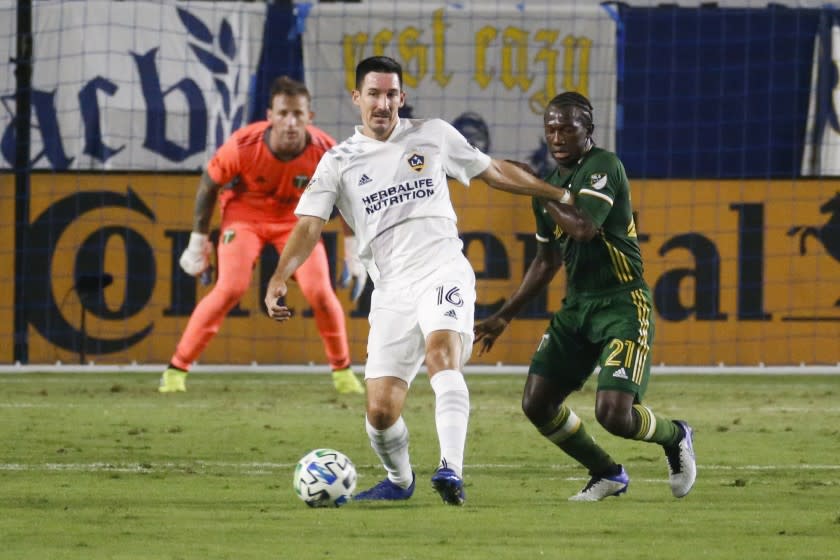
x,y
655,428
567,432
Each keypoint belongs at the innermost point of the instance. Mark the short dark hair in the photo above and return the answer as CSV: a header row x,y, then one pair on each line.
x,y
285,85
575,99
383,64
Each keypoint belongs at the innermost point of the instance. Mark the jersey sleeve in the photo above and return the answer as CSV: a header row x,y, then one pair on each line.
x,y
461,160
224,165
320,195
547,231
600,187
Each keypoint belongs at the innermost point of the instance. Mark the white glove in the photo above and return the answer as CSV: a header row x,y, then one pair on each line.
x,y
196,257
354,274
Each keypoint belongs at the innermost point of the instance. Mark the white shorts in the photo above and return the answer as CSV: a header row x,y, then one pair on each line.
x,y
400,320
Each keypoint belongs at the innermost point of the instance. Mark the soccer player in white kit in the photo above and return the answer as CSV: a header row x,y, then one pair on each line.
x,y
389,181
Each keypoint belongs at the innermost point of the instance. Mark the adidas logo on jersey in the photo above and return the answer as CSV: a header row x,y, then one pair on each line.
x,y
620,373
364,180
451,313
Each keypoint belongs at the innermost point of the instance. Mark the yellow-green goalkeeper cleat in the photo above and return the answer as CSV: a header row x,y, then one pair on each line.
x,y
345,381
173,381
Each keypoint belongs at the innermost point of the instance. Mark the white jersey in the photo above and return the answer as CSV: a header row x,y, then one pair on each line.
x,y
395,196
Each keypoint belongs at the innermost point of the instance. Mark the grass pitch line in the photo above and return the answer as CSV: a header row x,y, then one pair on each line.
x,y
121,405
266,467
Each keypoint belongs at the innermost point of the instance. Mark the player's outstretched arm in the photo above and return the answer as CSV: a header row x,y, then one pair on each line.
x,y
510,177
571,219
301,242
539,274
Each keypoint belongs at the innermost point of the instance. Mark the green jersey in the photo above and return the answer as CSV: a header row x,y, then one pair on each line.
x,y
612,259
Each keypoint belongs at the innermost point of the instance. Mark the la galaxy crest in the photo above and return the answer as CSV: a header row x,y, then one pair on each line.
x,y
416,161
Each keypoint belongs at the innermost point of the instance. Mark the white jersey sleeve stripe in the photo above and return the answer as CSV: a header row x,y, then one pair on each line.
x,y
590,192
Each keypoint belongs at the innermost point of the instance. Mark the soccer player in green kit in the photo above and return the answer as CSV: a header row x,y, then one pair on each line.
x,y
607,315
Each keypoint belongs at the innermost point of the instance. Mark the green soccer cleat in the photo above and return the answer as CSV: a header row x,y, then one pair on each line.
x,y
345,381
173,381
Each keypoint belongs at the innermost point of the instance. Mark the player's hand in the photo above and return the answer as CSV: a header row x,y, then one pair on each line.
x,y
196,257
487,331
562,196
274,305
353,274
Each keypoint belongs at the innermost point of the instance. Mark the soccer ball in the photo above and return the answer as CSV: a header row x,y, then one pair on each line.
x,y
325,478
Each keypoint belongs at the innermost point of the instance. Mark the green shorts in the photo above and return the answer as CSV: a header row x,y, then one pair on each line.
x,y
614,331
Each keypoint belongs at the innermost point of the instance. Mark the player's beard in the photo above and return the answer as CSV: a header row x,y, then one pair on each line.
x,y
288,143
381,124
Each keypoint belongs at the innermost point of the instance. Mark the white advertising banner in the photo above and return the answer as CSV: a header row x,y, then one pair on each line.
x,y
821,155
489,68
134,85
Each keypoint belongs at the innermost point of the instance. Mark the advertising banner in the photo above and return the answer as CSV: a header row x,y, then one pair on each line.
x,y
133,85
742,273
489,68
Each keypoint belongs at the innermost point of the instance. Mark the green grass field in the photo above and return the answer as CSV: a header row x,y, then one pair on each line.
x,y
96,466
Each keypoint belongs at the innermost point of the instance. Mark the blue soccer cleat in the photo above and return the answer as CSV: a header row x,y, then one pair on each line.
x,y
386,490
449,485
600,487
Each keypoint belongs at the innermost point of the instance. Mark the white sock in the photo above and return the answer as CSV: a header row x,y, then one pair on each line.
x,y
452,413
391,445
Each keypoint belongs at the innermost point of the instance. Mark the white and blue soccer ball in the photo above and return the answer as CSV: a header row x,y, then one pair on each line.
x,y
325,478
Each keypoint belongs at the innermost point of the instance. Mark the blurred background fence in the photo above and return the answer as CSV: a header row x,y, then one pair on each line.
x,y
724,116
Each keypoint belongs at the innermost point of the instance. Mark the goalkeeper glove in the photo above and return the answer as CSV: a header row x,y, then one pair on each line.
x,y
196,257
354,274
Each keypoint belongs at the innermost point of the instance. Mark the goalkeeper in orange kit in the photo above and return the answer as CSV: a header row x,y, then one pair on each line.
x,y
258,175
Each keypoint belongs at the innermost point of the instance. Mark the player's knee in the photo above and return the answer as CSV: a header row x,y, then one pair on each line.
x,y
440,357
536,410
380,415
615,420
528,408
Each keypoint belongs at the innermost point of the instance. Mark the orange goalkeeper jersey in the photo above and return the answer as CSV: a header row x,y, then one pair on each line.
x,y
257,185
